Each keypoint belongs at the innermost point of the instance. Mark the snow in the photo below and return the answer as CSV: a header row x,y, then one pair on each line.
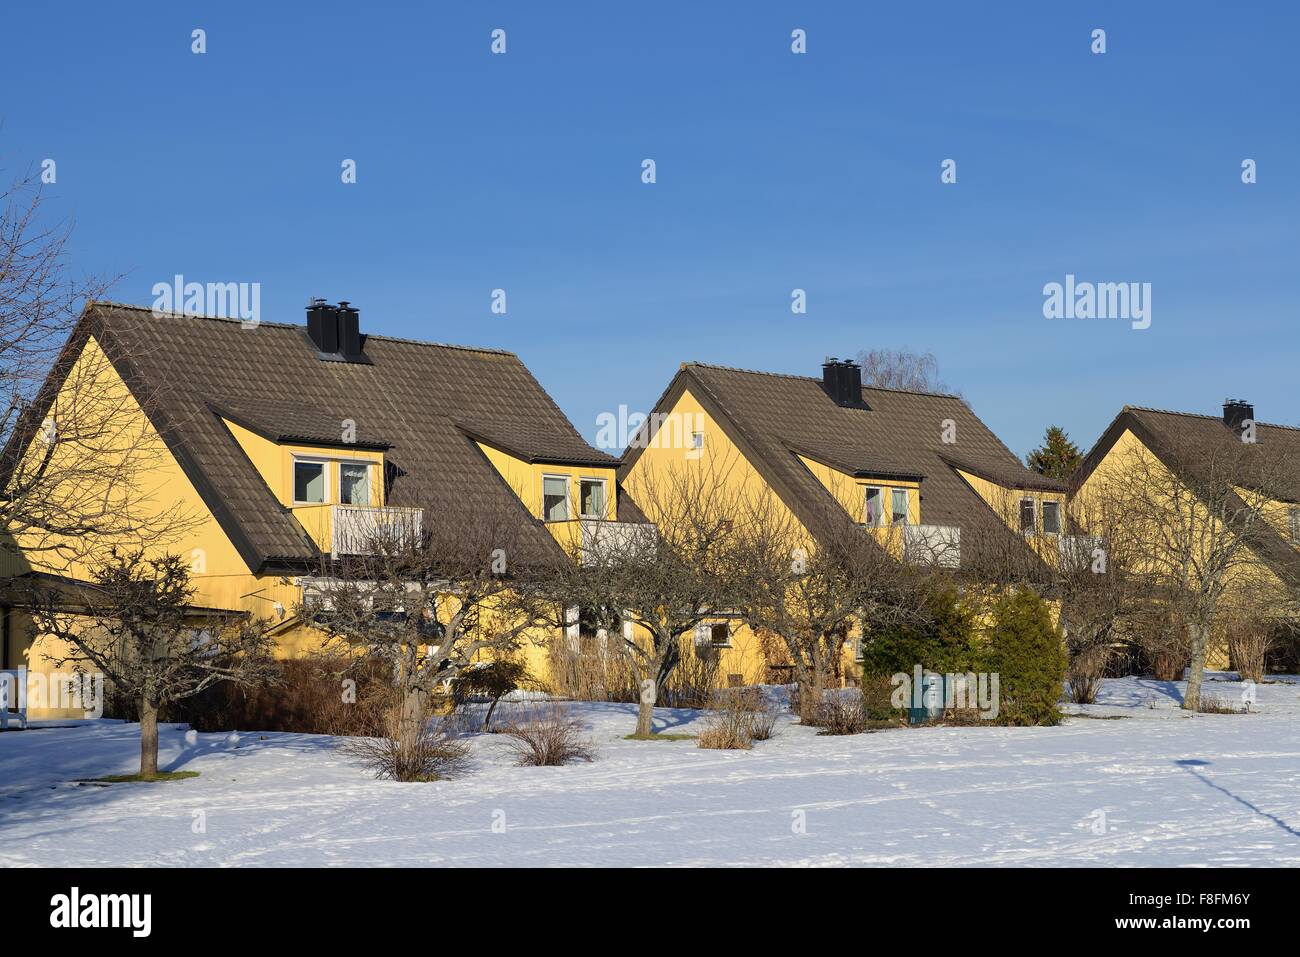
x,y
1130,781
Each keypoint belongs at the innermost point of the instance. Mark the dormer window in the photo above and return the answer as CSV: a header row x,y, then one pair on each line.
x,y
1051,518
591,498
555,498
309,482
1028,516
354,483
898,499
873,514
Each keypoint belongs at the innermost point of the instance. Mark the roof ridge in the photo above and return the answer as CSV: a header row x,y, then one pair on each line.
x,y
811,378
292,325
1202,415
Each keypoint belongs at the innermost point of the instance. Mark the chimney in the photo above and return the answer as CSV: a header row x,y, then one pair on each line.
x,y
1236,412
335,331
842,381
323,326
349,331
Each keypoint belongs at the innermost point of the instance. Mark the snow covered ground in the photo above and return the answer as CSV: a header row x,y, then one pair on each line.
x,y
1130,781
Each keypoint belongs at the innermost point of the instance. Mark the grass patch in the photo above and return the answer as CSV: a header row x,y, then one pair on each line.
x,y
129,778
658,737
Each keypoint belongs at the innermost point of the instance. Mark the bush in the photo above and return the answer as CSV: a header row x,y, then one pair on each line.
x,y
842,714
405,750
489,679
1085,671
1028,653
738,717
308,696
942,640
726,730
547,737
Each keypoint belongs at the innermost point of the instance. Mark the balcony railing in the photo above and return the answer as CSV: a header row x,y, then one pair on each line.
x,y
368,529
603,540
932,545
1079,551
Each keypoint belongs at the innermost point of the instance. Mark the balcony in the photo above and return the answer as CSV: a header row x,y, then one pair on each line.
x,y
932,545
603,540
365,529
1079,551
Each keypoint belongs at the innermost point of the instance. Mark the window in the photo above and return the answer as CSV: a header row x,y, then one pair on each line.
x,y
1295,524
898,498
555,498
720,635
309,482
873,514
354,483
697,440
591,498
1028,517
1051,518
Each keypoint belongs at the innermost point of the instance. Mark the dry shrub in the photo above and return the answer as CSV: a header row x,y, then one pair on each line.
x,y
726,730
546,737
309,695
842,714
736,719
597,670
1085,671
404,749
1213,704
1249,645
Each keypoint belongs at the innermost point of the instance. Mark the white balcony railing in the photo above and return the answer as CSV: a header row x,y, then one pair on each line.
x,y
602,540
932,545
1080,551
366,529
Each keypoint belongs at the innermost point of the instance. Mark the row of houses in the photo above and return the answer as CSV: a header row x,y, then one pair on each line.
x,y
279,442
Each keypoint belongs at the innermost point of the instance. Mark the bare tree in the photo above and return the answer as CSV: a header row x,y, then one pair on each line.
x,y
899,369
79,460
134,623
425,600
1206,531
815,597
664,582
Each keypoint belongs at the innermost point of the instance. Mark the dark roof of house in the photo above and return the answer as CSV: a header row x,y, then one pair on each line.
x,y
1184,441
424,403
775,418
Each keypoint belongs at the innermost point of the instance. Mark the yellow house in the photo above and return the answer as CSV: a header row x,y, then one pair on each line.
x,y
1176,450
276,446
920,471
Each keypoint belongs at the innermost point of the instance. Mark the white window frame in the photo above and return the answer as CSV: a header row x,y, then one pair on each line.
x,y
880,504
907,506
1020,515
370,486
568,497
604,483
1042,509
720,624
324,463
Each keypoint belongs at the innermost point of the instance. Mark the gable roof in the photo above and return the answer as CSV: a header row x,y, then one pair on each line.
x,y
775,418
419,401
1183,440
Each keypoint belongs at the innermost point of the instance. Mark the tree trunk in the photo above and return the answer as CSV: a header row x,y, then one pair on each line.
x,y
645,717
1200,636
148,739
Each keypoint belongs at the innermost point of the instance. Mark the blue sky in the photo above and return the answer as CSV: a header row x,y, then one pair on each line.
x,y
775,172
